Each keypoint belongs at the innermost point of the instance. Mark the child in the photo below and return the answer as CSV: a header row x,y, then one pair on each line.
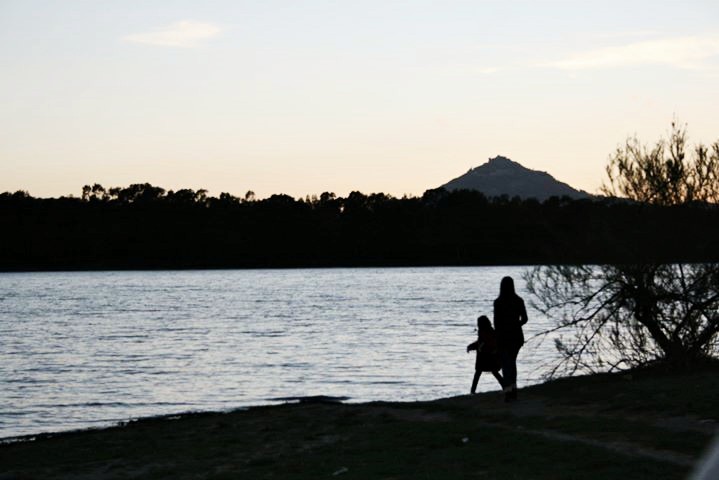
x,y
487,356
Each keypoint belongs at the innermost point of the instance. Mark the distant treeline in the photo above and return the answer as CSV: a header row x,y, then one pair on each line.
x,y
146,227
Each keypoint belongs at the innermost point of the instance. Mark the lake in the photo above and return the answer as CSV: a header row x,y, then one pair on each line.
x,y
87,349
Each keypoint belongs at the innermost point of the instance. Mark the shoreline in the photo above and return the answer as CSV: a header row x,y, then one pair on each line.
x,y
313,399
269,267
650,423
111,424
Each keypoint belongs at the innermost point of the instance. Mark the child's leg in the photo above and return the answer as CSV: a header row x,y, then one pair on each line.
x,y
498,377
477,373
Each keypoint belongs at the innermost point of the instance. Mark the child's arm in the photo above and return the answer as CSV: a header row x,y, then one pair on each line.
x,y
472,346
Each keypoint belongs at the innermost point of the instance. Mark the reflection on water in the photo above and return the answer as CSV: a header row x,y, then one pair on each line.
x,y
90,348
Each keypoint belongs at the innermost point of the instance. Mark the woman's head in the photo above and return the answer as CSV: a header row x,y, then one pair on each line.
x,y
506,287
483,324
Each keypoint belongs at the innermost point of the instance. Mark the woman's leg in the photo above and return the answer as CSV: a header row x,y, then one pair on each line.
x,y
499,378
508,358
515,352
509,371
477,373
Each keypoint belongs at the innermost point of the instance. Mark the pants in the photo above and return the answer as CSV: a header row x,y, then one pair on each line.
x,y
508,358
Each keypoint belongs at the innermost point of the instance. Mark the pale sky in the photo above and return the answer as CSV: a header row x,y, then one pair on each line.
x,y
302,97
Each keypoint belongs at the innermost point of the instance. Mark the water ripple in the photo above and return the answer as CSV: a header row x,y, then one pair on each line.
x,y
84,349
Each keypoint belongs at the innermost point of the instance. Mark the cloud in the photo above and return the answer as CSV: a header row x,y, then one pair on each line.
x,y
184,34
680,52
627,34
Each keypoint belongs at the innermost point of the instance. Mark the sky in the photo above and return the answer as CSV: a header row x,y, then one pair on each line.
x,y
303,97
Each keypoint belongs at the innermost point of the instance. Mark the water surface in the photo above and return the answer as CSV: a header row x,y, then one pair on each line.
x,y
83,349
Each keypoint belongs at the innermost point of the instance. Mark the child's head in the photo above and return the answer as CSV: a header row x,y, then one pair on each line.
x,y
483,324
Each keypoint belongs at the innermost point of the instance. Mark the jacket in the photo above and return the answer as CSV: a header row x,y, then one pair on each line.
x,y
487,358
509,316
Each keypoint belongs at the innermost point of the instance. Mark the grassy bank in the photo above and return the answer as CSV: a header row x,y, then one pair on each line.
x,y
648,424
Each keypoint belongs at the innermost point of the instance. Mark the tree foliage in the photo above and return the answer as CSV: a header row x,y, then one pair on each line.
x,y
644,309
620,316
668,173
145,226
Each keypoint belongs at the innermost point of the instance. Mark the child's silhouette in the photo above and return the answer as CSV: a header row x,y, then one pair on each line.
x,y
487,353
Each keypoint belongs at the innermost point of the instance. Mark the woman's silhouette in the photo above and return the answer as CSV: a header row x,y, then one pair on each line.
x,y
509,316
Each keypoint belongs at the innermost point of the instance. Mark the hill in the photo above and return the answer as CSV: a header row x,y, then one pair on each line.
x,y
502,176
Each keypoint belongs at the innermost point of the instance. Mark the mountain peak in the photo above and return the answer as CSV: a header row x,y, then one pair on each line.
x,y
499,160
502,176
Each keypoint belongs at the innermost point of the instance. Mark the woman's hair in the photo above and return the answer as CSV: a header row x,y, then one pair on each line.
x,y
506,288
483,324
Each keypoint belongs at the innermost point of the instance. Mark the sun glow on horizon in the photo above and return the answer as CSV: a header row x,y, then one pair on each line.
x,y
283,97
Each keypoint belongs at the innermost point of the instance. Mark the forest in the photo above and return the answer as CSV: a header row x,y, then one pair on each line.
x,y
146,227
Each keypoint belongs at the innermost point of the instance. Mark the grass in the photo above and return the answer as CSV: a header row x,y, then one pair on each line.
x,y
647,424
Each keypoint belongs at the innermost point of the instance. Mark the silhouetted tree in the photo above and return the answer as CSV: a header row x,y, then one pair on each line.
x,y
227,199
643,309
665,174
95,192
187,196
141,226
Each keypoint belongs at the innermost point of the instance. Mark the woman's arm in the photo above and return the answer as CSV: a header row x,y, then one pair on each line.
x,y
522,313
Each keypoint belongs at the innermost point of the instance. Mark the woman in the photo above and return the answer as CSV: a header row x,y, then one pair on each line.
x,y
509,316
